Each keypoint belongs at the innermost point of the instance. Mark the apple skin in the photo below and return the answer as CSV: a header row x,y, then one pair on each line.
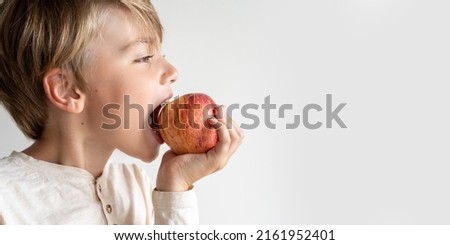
x,y
183,124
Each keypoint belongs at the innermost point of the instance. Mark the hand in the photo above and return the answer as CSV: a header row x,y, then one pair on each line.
x,y
178,173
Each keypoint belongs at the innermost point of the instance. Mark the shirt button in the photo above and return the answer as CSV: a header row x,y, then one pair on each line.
x,y
108,208
99,188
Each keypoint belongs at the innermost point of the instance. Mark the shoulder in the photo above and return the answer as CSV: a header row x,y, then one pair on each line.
x,y
15,178
6,160
6,164
10,167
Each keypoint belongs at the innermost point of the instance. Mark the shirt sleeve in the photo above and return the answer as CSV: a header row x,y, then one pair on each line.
x,y
175,208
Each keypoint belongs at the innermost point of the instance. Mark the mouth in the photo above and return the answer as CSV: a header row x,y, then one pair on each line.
x,y
153,119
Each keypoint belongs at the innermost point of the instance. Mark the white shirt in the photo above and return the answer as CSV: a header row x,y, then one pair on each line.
x,y
38,192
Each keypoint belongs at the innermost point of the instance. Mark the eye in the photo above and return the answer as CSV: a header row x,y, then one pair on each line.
x,y
144,59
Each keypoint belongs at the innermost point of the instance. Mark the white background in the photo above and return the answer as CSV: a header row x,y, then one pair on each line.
x,y
387,59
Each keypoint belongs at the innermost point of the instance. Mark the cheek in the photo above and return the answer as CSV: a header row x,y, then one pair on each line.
x,y
114,109
104,111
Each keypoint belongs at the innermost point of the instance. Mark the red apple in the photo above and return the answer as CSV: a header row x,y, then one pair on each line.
x,y
183,124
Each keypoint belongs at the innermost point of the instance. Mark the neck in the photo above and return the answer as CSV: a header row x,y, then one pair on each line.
x,y
71,149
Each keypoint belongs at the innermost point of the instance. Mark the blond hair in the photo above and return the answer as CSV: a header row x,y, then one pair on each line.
x,y
38,35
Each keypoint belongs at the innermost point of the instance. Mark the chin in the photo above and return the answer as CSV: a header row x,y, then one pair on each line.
x,y
143,147
148,156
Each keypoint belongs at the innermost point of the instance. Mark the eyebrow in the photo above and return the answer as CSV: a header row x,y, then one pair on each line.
x,y
135,44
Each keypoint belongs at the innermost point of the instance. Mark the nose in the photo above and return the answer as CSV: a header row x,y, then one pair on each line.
x,y
170,74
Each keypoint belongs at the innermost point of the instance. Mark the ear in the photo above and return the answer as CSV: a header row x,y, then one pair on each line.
x,y
61,91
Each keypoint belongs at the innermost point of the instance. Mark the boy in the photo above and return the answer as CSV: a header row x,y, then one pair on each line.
x,y
61,63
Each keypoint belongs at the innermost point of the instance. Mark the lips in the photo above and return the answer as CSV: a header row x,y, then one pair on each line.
x,y
154,124
153,118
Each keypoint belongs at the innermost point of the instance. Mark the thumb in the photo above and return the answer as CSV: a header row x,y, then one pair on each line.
x,y
168,155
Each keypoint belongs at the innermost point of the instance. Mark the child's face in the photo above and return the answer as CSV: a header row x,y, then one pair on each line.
x,y
123,79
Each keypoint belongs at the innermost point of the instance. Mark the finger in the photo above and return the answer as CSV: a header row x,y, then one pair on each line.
x,y
222,116
236,134
236,138
238,130
219,122
224,138
219,112
214,122
168,155
218,115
